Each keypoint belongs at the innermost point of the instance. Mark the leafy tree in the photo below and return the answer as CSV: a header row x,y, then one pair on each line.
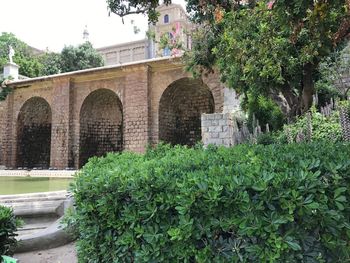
x,y
278,46
82,57
263,47
335,74
29,64
51,63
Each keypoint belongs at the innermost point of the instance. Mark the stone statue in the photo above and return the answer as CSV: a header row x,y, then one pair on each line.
x,y
11,53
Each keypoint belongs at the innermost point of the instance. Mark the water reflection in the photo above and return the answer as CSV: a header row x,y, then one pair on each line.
x,y
21,185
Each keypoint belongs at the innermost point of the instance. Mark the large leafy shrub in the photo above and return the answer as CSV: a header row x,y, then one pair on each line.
x,y
8,227
250,203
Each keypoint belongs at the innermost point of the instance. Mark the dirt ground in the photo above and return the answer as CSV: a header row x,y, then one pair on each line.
x,y
64,254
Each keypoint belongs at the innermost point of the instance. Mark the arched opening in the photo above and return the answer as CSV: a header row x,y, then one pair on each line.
x,y
180,110
101,125
34,134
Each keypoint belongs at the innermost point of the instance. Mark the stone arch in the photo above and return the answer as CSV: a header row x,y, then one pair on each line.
x,y
101,125
34,134
180,108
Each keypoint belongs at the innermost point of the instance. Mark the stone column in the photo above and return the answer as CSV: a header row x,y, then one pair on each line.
x,y
61,118
9,137
136,109
2,133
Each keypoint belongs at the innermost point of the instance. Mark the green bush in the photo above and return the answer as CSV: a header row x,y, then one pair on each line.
x,y
249,203
323,128
265,110
8,227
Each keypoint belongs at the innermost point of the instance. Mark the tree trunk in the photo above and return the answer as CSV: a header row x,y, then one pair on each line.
x,y
308,88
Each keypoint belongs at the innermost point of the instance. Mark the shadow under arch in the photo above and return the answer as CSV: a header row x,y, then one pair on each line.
x,y
34,134
180,108
101,125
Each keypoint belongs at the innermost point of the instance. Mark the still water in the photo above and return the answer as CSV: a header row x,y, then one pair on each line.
x,y
21,185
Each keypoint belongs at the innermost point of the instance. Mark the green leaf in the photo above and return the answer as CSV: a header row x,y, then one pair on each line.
x,y
293,245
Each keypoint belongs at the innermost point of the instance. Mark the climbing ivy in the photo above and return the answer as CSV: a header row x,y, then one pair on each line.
x,y
4,89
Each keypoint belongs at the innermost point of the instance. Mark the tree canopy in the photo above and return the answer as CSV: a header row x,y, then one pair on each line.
x,y
30,65
47,63
82,57
269,48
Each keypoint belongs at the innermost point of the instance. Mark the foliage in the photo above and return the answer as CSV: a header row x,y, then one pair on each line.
x,y
8,227
82,57
123,8
266,138
261,46
29,64
265,110
4,90
335,74
250,203
70,59
323,128
51,63
279,46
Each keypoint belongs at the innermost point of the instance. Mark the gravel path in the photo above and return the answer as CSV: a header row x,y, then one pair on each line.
x,y
64,254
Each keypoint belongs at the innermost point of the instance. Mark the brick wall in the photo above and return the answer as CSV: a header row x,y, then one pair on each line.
x,y
60,123
101,125
128,108
217,129
181,106
2,131
136,109
34,134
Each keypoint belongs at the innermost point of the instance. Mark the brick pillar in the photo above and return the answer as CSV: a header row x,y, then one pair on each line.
x,y
136,109
2,131
9,148
61,117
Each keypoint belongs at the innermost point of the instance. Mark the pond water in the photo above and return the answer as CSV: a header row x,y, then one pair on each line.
x,y
20,185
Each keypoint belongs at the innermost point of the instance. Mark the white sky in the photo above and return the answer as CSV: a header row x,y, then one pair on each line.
x,y
53,24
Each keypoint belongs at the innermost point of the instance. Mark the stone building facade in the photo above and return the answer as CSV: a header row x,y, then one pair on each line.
x,y
171,17
60,121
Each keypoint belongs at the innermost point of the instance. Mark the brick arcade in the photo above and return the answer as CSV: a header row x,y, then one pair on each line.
x,y
60,121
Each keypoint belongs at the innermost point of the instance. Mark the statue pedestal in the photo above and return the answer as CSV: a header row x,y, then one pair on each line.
x,y
11,69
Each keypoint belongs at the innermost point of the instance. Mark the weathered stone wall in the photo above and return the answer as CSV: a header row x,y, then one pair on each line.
x,y
2,130
161,79
15,101
34,134
81,88
125,115
101,125
181,106
136,108
217,129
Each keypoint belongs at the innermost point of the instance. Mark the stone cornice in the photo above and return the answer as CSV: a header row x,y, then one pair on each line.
x,y
112,71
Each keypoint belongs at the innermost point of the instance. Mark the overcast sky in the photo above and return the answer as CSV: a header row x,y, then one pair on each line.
x,y
52,24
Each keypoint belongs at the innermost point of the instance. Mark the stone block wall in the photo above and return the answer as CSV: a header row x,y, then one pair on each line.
x,y
2,130
60,123
180,109
101,127
34,134
136,109
100,110
217,129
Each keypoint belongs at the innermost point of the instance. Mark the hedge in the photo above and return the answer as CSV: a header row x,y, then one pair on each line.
x,y
249,203
8,227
